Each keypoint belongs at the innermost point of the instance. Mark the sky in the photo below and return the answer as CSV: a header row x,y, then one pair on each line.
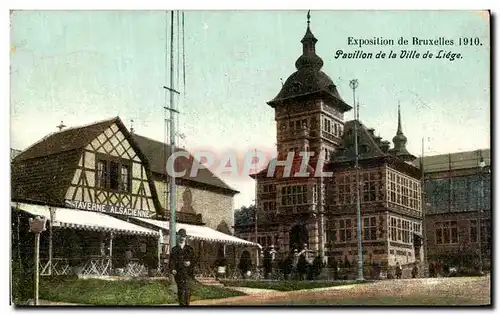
x,y
84,66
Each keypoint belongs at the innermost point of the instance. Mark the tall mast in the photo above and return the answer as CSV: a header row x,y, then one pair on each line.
x,y
354,84
172,134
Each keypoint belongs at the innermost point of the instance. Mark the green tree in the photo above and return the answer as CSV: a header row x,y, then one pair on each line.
x,y
244,216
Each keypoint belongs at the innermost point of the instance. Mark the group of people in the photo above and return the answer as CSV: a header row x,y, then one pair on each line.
x,y
399,271
296,265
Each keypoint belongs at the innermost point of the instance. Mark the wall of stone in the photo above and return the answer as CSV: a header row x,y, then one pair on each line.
x,y
217,209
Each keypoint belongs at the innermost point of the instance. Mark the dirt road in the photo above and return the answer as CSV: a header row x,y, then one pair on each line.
x,y
433,291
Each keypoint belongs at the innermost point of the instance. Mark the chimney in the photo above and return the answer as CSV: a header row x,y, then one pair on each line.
x,y
385,145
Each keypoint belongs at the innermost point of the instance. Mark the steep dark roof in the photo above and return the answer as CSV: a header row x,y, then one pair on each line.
x,y
65,140
368,146
154,152
371,150
309,79
44,179
43,172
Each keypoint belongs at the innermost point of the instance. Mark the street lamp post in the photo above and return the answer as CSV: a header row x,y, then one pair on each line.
x,y
482,164
37,226
354,84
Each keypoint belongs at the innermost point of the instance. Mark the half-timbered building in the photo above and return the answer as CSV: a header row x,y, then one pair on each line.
x,y
103,191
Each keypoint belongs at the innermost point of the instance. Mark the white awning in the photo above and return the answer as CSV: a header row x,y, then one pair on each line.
x,y
84,220
200,232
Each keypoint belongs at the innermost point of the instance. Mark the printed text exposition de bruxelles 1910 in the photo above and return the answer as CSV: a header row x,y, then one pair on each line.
x,y
415,41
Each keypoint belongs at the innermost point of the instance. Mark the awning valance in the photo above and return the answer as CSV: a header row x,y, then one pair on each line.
x,y
84,220
200,232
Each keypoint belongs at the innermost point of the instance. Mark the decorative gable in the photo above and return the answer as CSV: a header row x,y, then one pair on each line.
x,y
110,172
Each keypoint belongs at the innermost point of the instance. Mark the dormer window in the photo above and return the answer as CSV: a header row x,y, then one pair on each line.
x,y
365,148
296,87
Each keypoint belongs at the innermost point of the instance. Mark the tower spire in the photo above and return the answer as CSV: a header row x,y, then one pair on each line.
x,y
400,140
400,129
309,57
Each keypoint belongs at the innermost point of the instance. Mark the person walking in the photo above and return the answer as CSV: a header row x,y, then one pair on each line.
x,y
399,270
182,267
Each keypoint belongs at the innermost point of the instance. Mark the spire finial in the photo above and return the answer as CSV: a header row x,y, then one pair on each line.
x,y
61,126
308,17
132,126
400,129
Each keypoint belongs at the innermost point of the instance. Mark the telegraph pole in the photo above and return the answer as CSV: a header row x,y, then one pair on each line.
x,y
173,110
481,165
424,208
354,84
256,211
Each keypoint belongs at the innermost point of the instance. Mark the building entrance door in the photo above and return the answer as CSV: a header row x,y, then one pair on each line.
x,y
298,237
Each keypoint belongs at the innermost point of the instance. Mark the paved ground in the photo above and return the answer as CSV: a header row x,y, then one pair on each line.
x,y
435,291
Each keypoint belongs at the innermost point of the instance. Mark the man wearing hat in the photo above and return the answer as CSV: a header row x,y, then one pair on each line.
x,y
182,267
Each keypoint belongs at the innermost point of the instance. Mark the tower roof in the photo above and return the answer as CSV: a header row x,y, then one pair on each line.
x,y
309,79
400,140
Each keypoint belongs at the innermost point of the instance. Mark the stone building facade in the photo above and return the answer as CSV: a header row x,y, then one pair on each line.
x,y
202,199
320,210
458,208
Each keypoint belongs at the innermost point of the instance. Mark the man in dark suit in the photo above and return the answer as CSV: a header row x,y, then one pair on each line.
x,y
182,267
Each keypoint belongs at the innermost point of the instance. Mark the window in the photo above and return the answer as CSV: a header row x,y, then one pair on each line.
x,y
102,174
268,188
406,231
345,230
473,235
125,182
446,232
331,231
269,205
403,190
393,229
315,194
370,229
294,195
439,235
113,175
401,230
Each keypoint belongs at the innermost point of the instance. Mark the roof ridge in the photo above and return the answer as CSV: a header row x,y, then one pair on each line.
x,y
49,136
87,125
160,142
71,128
